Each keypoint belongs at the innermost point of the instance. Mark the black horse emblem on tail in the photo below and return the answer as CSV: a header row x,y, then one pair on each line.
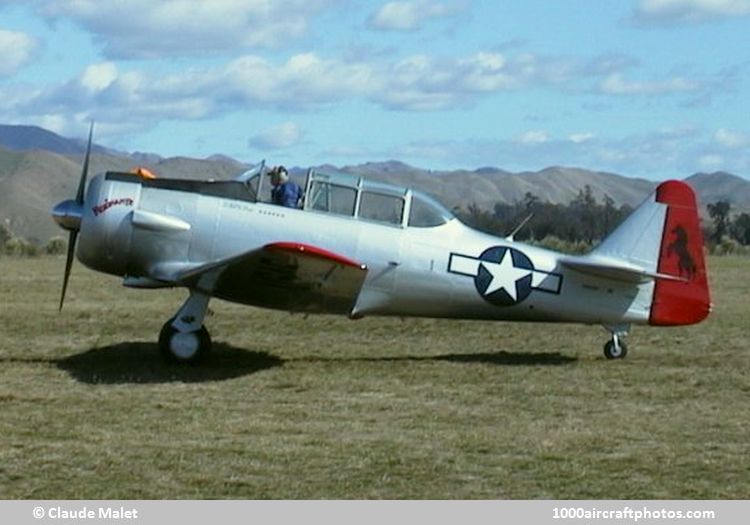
x,y
679,246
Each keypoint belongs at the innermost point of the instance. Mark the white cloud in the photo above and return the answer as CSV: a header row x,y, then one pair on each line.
x,y
308,81
653,155
422,82
98,77
303,81
488,72
533,137
676,12
138,98
56,123
148,29
580,138
616,84
711,161
277,137
731,139
408,16
16,50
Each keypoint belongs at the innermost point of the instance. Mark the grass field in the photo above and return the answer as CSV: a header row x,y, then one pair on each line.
x,y
324,407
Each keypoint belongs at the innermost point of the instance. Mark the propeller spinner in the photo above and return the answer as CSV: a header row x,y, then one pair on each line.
x,y
68,213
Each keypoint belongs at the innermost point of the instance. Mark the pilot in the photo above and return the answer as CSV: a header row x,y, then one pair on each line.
x,y
284,192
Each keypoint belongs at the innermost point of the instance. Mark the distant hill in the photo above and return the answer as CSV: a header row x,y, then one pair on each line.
x,y
30,138
720,185
31,182
485,187
39,168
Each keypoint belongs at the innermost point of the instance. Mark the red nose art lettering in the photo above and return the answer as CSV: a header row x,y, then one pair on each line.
x,y
107,204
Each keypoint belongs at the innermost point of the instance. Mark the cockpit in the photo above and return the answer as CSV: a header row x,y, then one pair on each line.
x,y
353,196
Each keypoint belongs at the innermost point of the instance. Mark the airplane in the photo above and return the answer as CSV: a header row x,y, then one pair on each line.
x,y
359,248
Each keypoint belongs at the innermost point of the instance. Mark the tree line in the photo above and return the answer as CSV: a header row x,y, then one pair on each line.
x,y
573,227
581,224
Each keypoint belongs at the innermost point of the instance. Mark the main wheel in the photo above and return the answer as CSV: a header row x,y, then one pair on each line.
x,y
183,347
611,350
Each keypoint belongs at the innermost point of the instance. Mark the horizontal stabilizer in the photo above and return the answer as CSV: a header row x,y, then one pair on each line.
x,y
618,270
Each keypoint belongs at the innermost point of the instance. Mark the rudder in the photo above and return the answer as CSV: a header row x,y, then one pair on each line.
x,y
685,300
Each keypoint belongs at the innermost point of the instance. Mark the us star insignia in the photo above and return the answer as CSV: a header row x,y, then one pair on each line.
x,y
504,276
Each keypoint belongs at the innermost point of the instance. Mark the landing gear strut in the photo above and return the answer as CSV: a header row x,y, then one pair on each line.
x,y
616,348
184,339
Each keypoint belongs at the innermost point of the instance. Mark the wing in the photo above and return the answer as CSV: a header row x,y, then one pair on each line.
x,y
284,275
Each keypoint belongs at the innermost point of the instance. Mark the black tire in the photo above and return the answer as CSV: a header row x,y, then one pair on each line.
x,y
183,347
610,352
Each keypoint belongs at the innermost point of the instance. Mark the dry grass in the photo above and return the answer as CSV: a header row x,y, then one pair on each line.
x,y
323,407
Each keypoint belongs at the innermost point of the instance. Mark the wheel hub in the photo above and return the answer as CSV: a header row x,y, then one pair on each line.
x,y
184,345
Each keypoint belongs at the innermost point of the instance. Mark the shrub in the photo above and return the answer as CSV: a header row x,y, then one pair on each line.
x,y
729,247
552,242
19,246
56,246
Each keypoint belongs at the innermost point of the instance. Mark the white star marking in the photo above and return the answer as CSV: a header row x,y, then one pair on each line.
x,y
504,275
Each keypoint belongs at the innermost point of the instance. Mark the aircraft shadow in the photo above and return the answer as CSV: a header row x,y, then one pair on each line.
x,y
141,363
511,358
500,358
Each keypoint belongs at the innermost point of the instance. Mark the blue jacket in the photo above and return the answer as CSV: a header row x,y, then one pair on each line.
x,y
287,194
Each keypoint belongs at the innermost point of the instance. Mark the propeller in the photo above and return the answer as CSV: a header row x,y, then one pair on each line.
x,y
68,214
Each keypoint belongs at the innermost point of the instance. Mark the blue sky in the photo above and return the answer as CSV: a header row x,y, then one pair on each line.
x,y
647,88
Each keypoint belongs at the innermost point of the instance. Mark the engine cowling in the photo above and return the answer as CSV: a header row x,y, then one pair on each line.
x,y
106,228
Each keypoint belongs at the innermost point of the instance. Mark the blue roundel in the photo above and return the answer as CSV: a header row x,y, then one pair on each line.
x,y
504,282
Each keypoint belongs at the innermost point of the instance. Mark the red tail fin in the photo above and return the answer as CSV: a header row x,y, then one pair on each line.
x,y
687,300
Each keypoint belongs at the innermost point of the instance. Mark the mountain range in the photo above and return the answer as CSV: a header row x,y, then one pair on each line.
x,y
39,168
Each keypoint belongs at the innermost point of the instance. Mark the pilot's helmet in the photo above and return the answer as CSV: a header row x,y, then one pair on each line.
x,y
279,175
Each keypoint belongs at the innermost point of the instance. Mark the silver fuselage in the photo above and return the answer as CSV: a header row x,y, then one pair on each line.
x,y
130,228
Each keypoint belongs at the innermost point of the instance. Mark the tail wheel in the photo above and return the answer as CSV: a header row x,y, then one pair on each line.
x,y
184,347
615,349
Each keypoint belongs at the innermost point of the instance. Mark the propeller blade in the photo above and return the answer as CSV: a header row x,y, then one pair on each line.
x,y
68,264
69,216
85,171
